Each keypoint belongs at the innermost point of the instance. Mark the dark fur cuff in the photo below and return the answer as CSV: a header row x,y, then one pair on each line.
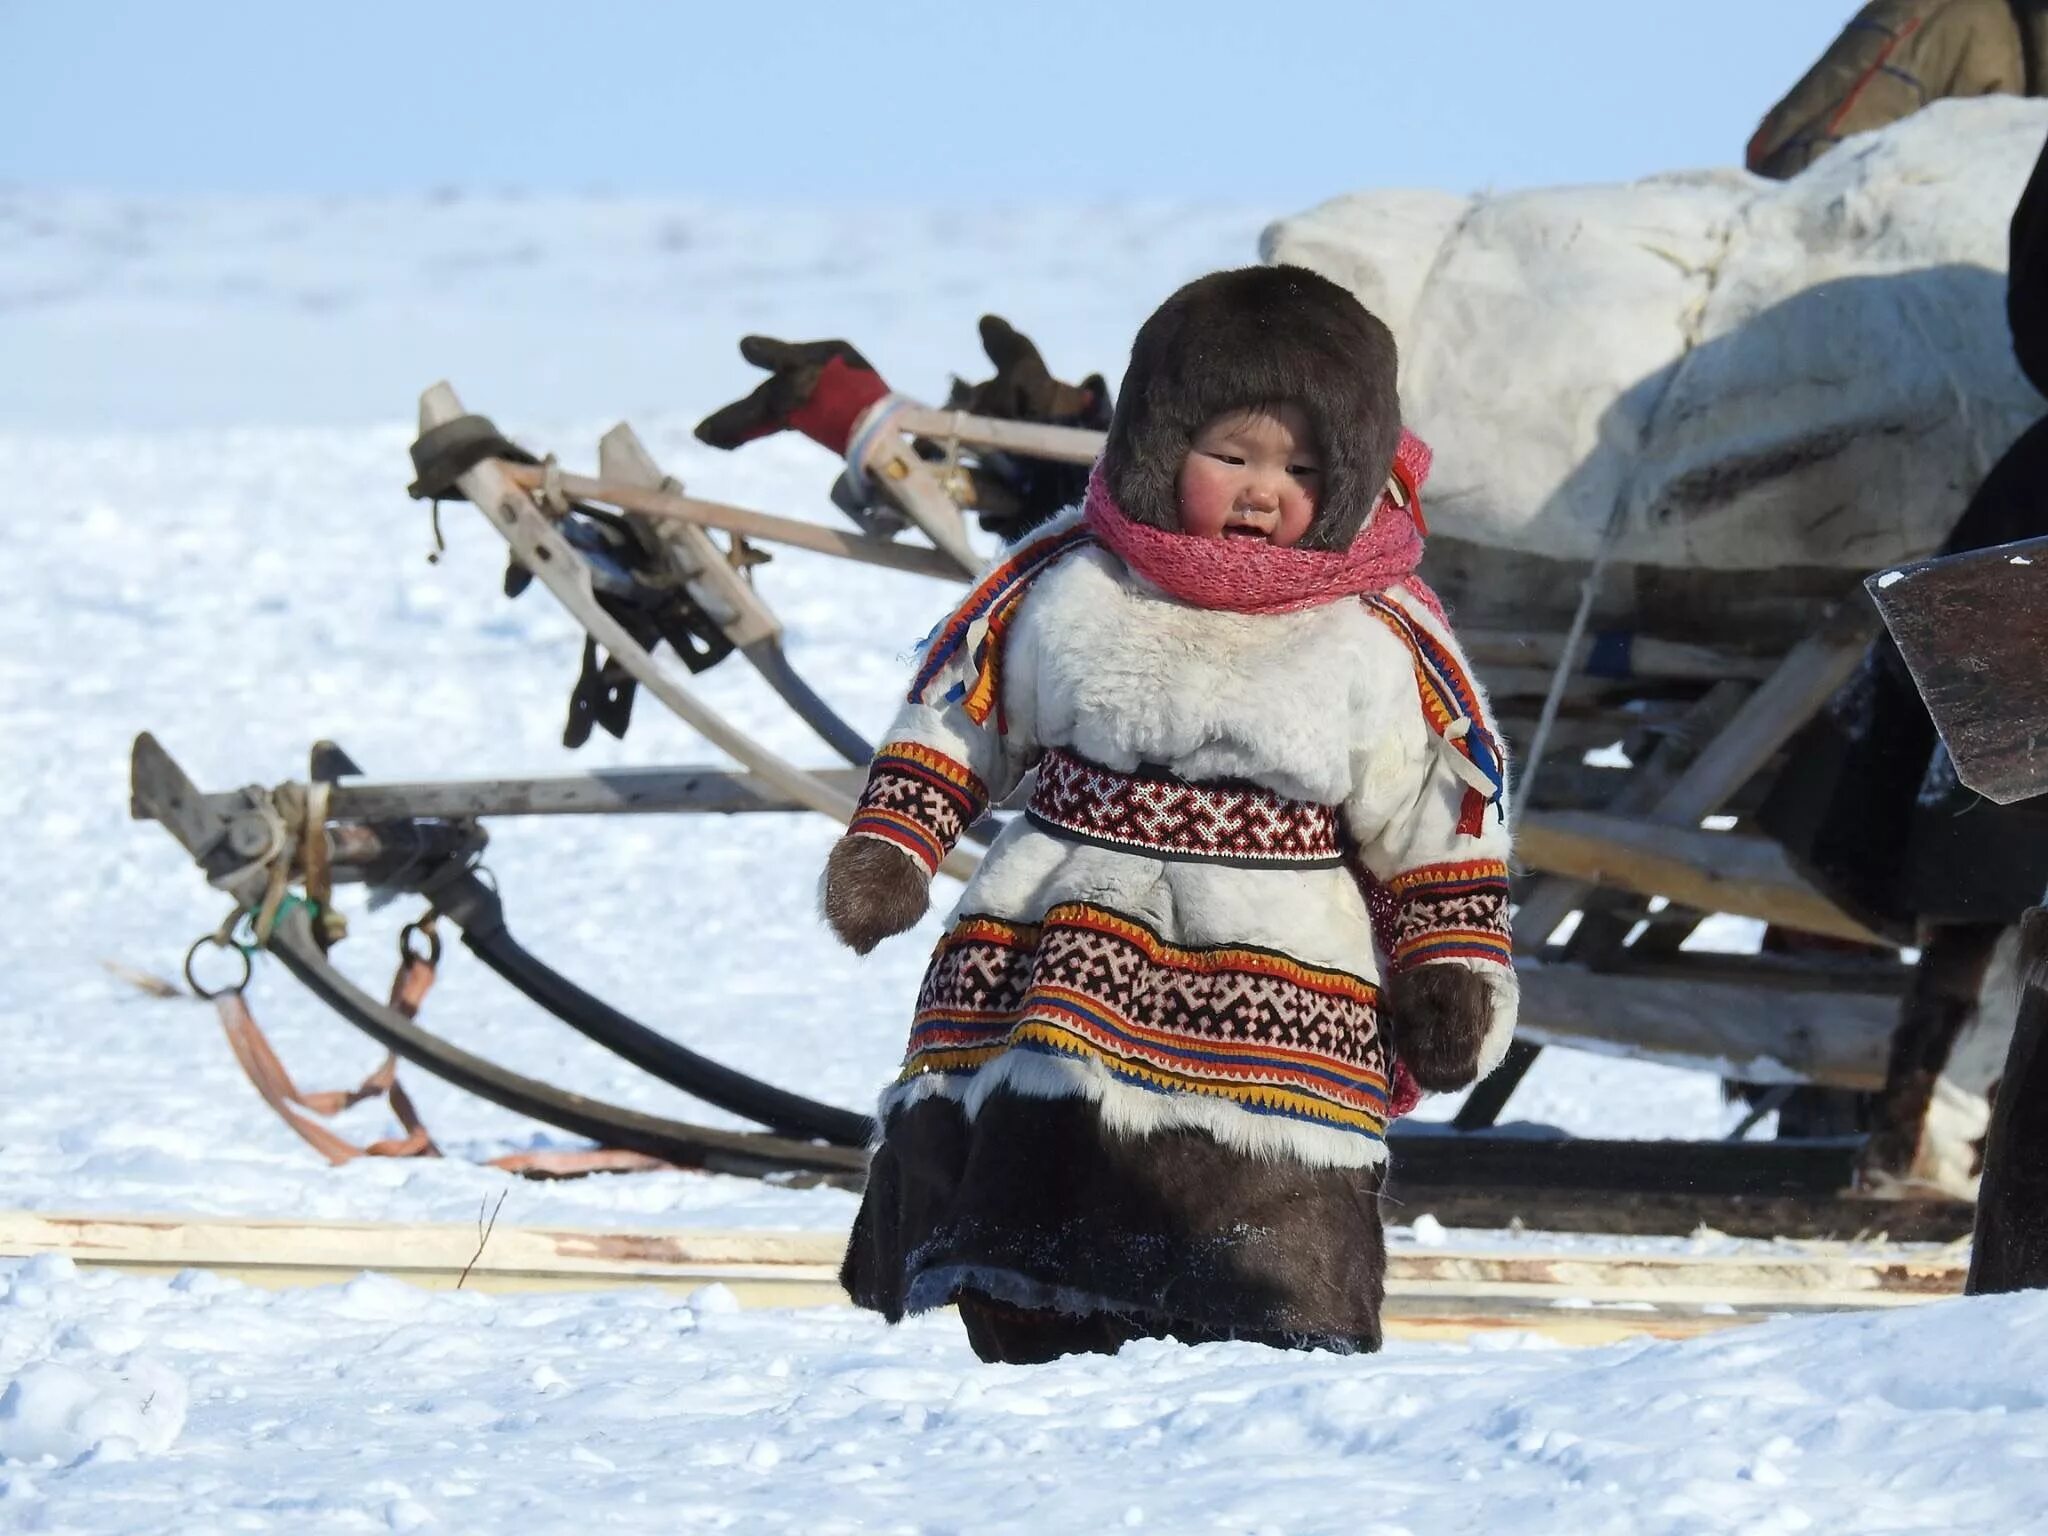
x,y
1451,912
919,799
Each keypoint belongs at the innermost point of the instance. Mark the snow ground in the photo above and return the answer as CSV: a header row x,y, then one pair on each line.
x,y
208,459
195,1404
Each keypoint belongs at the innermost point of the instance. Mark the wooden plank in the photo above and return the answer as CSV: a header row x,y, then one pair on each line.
x,y
1507,686
722,592
1755,731
159,791
908,484
1427,1156
1811,671
761,526
1575,1329
1753,1034
1676,1213
1710,871
1431,1291
1742,1280
1546,905
510,508
1883,975
1030,439
1973,629
1648,658
604,792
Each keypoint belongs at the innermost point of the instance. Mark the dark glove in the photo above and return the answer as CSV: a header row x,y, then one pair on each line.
x,y
818,387
872,891
1024,389
1437,1016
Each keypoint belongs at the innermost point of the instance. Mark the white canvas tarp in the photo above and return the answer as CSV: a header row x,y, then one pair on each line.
x,y
1736,374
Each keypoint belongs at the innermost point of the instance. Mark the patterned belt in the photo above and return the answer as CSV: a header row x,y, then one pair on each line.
x,y
1155,813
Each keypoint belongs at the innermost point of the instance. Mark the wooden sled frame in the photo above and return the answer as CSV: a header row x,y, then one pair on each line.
x,y
1619,841
1603,843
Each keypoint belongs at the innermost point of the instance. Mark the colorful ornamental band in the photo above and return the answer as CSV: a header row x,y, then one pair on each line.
x,y
1450,703
920,800
1451,912
965,651
1164,817
1249,1026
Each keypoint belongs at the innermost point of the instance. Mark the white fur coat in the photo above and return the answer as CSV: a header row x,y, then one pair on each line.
x,y
1320,705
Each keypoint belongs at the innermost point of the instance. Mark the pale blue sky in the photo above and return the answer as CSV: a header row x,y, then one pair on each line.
x,y
1281,102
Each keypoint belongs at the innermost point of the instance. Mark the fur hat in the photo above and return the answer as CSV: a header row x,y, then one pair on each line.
x,y
1245,338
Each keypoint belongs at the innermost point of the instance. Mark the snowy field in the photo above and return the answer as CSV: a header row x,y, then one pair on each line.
x,y
199,1406
203,421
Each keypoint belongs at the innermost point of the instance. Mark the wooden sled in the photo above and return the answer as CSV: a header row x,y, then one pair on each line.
x,y
1707,723
1625,848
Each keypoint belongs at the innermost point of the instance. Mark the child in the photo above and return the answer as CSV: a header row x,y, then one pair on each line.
x,y
1148,1075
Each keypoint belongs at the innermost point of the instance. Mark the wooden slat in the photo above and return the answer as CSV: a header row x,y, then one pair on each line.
x,y
1548,902
710,579
1754,1034
1431,1292
1756,730
1811,671
1711,871
1648,658
894,469
761,526
1063,445
604,792
1672,1213
508,505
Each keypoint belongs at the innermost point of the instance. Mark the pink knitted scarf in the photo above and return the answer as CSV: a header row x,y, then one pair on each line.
x,y
1252,576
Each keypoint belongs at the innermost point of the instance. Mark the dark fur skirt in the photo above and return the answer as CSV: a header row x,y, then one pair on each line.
x,y
1055,1234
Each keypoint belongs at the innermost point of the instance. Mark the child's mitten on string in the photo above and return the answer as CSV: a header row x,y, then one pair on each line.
x,y
819,388
873,890
1439,1016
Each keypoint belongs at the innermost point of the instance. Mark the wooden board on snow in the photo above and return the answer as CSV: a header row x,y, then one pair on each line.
x,y
1443,1293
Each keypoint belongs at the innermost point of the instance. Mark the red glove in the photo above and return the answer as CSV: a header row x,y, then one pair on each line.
x,y
821,388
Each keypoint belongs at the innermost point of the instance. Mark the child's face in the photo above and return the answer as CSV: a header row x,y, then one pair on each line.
x,y
1252,474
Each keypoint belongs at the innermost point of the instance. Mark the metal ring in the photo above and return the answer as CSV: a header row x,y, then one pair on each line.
x,y
210,993
405,937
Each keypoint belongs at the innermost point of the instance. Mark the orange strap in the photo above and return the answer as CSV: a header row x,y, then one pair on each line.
x,y
267,1074
294,1106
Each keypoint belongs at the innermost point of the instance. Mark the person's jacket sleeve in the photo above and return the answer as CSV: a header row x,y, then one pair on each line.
x,y
1894,58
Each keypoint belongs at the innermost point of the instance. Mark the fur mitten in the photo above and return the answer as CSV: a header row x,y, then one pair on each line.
x,y
1024,389
1438,1016
872,890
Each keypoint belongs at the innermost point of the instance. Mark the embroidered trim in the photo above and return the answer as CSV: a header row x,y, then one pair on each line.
x,y
1251,1026
968,643
1451,912
1450,703
1155,813
919,799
